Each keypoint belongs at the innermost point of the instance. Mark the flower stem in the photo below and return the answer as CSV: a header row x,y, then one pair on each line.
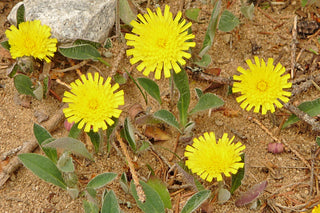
x,y
103,61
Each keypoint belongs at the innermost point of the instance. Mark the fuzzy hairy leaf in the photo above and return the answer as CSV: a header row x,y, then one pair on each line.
x,y
80,52
181,81
23,84
101,180
211,30
43,168
236,179
195,201
43,135
110,203
153,202
312,108
167,117
162,190
207,101
151,88
72,145
228,21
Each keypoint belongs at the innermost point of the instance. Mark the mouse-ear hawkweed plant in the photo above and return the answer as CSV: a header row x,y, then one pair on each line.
x,y
31,39
210,158
159,42
261,86
93,102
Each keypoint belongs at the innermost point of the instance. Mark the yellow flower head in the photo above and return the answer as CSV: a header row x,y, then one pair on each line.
x,y
316,209
92,102
31,39
159,42
261,86
210,159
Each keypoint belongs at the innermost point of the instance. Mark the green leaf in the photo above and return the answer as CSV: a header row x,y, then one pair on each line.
x,y
228,21
90,207
80,52
82,41
91,193
109,132
167,117
129,134
13,69
318,140
151,88
6,45
223,195
23,84
304,3
124,183
312,108
192,13
126,13
42,135
73,192
108,43
199,92
101,180
71,145
38,91
119,78
145,145
162,190
207,101
205,61
211,30
182,83
45,86
43,168
153,202
247,10
65,163
195,201
74,131
236,179
20,15
110,203
96,139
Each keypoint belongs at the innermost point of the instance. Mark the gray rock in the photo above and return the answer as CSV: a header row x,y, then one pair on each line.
x,y
71,19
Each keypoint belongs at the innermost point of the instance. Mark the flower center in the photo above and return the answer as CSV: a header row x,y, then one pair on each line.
x,y
262,86
93,104
162,43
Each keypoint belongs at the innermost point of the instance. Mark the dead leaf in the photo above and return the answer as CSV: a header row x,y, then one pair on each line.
x,y
230,112
4,53
135,111
213,71
156,133
252,194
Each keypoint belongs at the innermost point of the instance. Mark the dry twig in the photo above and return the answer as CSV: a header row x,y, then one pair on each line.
x,y
140,192
77,66
303,116
293,47
15,163
280,141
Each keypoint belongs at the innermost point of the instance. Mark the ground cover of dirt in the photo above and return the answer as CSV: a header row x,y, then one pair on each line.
x,y
288,177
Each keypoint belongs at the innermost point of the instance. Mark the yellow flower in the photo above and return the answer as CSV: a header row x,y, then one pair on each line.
x,y
210,159
316,209
261,86
31,39
92,102
159,42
